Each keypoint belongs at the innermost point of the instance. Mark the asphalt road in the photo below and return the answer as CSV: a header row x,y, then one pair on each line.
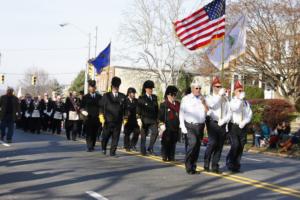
x,y
50,167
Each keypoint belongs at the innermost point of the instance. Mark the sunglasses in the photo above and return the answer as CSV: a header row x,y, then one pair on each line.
x,y
198,88
218,86
240,90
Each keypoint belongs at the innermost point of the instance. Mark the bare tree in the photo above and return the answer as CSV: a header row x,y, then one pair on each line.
x,y
43,82
149,26
273,43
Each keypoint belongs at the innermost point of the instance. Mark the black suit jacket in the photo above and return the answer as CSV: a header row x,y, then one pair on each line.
x,y
148,109
112,107
91,105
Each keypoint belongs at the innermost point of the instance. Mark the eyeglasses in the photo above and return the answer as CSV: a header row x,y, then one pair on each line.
x,y
198,88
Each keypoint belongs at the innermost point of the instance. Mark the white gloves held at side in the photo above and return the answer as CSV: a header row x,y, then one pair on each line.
x,y
162,129
242,124
139,121
222,92
242,95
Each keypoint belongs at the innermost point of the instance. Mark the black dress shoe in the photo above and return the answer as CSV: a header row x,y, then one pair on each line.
x,y
144,154
151,152
206,169
216,171
234,171
192,172
112,153
164,159
133,148
104,152
89,150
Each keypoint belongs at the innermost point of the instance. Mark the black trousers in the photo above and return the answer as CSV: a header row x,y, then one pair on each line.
x,y
146,128
168,144
72,129
80,128
113,130
238,139
25,123
128,130
35,125
216,139
92,125
46,122
194,137
56,126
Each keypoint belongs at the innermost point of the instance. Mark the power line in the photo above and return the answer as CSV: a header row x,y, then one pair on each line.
x,y
42,49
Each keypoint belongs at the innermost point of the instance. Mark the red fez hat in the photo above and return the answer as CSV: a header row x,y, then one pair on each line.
x,y
238,85
216,81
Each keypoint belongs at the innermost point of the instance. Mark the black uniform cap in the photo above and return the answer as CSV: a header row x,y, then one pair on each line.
x,y
171,89
148,84
116,82
131,90
92,83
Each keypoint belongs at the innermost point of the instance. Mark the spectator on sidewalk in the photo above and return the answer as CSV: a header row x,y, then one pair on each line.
x,y
10,110
295,139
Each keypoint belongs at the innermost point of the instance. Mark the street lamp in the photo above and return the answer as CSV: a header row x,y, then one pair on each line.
x,y
89,52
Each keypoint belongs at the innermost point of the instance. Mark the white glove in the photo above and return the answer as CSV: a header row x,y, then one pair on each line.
x,y
65,115
84,113
183,130
222,91
162,129
221,122
242,95
139,121
242,125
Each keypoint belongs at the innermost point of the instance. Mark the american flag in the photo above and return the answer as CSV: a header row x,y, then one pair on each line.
x,y
203,26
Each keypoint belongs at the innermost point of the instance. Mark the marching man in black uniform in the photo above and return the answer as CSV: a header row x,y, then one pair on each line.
x,y
131,125
46,118
241,116
169,127
57,115
192,116
112,113
218,117
73,109
25,112
148,112
35,111
90,107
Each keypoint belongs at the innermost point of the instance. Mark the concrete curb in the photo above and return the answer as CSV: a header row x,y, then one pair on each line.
x,y
273,154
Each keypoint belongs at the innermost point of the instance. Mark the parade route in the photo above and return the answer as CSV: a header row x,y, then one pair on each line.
x,y
49,167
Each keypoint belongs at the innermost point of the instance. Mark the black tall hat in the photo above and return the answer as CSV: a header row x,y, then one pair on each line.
x,y
92,83
171,90
131,90
116,82
148,84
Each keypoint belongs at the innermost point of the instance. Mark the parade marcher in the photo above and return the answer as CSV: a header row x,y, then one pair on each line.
x,y
81,132
10,111
148,113
112,110
36,110
192,116
25,115
90,107
46,117
131,124
72,107
241,116
57,115
169,127
218,117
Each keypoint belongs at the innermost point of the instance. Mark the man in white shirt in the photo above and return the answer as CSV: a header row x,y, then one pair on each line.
x,y
241,116
192,116
219,115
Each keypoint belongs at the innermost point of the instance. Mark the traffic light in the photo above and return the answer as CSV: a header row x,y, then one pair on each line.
x,y
2,78
33,80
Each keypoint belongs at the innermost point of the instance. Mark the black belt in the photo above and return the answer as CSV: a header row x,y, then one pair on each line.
x,y
194,124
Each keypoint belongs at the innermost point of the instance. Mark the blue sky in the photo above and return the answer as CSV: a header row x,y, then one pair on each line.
x,y
30,35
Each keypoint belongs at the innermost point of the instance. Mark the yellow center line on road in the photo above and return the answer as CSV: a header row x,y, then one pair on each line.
x,y
232,177
239,179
